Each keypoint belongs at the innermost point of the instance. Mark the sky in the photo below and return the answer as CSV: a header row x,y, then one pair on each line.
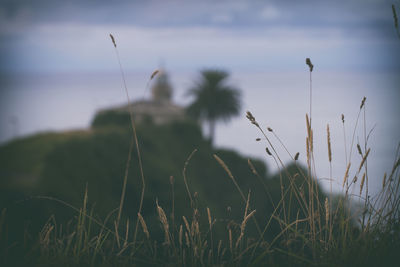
x,y
48,35
58,65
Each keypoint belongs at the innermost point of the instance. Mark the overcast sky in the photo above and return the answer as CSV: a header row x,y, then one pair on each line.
x,y
49,35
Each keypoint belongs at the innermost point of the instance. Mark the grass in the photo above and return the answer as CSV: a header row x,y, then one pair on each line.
x,y
313,230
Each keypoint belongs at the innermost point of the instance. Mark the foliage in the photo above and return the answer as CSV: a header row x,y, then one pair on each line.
x,y
110,118
214,100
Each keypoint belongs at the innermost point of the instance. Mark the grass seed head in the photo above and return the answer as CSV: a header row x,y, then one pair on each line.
x,y
362,183
251,118
223,165
363,102
359,149
310,65
246,219
346,175
326,210
164,222
329,143
364,159
209,217
113,40
154,74
384,181
144,226
186,223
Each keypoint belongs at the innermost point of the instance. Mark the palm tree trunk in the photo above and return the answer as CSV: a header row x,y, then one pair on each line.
x,y
212,131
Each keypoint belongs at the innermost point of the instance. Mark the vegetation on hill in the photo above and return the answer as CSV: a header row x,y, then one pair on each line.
x,y
61,193
38,171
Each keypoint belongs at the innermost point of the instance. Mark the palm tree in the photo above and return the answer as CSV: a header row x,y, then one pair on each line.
x,y
214,100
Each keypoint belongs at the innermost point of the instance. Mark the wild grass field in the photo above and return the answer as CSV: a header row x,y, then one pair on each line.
x,y
97,198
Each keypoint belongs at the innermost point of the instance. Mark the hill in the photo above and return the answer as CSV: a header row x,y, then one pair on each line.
x,y
45,176
60,165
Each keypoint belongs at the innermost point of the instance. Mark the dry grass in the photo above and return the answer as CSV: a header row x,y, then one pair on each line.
x,y
135,138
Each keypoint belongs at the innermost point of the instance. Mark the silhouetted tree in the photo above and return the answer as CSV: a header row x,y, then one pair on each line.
x,y
214,99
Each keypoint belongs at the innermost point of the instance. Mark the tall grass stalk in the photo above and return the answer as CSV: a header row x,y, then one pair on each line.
x,y
134,134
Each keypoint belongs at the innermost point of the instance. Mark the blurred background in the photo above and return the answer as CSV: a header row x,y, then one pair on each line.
x,y
58,68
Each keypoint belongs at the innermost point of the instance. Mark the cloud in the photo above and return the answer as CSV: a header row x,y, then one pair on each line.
x,y
196,13
87,47
269,13
222,18
71,34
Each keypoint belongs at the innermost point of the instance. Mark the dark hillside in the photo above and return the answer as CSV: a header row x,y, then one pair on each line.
x,y
61,165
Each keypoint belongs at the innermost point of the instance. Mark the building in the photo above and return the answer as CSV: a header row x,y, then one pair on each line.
x,y
160,109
